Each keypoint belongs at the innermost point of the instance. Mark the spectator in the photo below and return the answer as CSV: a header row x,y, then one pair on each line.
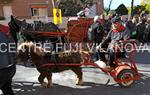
x,y
108,24
135,19
146,35
95,34
7,64
132,28
102,19
96,31
140,29
118,32
143,14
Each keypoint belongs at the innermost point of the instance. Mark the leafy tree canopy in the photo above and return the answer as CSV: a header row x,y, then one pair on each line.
x,y
122,10
146,3
69,8
138,9
89,2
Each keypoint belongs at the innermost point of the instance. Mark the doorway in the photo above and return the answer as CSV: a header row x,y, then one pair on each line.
x,y
7,10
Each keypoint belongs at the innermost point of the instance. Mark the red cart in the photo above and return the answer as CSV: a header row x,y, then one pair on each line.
x,y
124,74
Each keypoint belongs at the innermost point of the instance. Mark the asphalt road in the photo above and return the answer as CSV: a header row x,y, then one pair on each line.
x,y
25,81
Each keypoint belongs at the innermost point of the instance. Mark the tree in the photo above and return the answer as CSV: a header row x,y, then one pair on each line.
x,y
69,8
89,2
146,3
122,10
138,9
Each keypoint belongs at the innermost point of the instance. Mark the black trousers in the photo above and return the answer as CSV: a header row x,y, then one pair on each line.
x,y
111,57
6,76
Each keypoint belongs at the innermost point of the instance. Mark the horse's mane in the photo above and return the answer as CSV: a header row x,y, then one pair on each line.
x,y
32,48
14,27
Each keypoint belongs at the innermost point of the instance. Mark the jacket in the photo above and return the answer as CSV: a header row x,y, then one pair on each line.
x,y
96,33
7,58
114,37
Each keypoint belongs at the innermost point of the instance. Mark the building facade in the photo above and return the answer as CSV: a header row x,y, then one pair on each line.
x,y
30,8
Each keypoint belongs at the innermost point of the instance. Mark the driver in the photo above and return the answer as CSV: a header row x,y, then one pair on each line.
x,y
118,32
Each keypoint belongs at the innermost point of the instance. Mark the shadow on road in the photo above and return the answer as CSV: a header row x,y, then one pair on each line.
x,y
141,87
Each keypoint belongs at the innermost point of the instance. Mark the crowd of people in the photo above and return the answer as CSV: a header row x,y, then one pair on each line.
x,y
138,25
109,31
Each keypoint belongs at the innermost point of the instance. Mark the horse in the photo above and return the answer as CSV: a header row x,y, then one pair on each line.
x,y
40,57
29,31
21,30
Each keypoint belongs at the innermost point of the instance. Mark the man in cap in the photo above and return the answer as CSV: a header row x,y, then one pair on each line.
x,y
117,33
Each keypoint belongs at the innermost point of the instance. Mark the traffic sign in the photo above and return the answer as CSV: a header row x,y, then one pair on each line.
x,y
57,16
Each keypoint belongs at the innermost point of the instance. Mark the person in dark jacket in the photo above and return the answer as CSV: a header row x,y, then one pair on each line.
x,y
96,34
132,27
118,32
146,35
96,31
140,29
108,25
7,60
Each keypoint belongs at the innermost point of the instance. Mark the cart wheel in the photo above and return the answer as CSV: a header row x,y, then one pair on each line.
x,y
126,74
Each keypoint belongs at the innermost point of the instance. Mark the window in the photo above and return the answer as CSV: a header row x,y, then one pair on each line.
x,y
39,11
35,11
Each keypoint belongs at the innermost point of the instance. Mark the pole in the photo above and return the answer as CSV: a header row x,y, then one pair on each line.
x,y
109,6
53,3
132,4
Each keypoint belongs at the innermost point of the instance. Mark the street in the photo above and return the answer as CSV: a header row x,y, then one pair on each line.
x,y
25,82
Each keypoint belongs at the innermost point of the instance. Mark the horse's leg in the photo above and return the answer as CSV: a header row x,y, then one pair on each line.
x,y
78,72
41,79
49,78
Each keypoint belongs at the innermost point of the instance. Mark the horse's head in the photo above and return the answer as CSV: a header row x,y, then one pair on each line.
x,y
15,26
27,50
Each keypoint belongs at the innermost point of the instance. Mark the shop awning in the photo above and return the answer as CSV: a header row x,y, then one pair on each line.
x,y
39,5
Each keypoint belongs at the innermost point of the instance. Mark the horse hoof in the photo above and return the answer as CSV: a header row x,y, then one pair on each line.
x,y
44,84
49,85
79,82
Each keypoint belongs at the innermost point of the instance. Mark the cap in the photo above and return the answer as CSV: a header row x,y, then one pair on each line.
x,y
116,19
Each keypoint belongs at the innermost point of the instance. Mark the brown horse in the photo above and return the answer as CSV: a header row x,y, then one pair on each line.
x,y
40,57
